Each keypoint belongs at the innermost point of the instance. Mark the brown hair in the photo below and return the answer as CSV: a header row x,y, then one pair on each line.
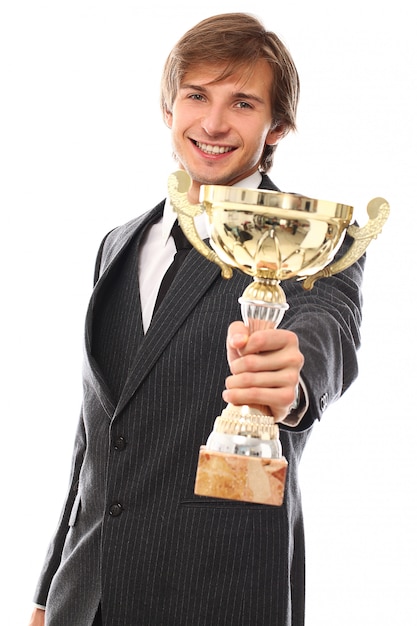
x,y
237,41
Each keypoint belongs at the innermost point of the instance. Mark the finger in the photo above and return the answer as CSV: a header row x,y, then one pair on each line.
x,y
288,378
269,340
274,361
267,361
237,336
279,400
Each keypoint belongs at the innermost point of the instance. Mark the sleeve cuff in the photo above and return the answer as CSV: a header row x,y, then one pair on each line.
x,y
295,416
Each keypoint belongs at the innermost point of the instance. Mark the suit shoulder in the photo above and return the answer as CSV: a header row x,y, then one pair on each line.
x,y
116,238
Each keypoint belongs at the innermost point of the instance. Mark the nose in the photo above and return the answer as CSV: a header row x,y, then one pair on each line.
x,y
215,121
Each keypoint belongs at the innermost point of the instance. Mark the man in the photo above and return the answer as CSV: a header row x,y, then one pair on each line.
x,y
134,545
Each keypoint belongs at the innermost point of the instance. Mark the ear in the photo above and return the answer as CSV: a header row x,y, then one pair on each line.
x,y
275,135
168,117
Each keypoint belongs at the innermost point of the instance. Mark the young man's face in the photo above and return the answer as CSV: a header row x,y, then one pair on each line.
x,y
219,129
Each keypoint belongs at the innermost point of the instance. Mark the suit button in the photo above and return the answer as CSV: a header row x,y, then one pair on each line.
x,y
119,443
115,509
324,401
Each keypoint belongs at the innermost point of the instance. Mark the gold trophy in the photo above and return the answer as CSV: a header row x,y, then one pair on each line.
x,y
270,236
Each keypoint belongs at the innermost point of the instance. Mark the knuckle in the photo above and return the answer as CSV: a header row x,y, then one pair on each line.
x,y
250,362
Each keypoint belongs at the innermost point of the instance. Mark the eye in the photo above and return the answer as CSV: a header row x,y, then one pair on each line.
x,y
196,96
243,105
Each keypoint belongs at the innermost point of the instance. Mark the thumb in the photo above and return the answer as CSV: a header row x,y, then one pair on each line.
x,y
237,338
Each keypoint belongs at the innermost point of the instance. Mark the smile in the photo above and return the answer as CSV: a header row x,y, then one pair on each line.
x,y
208,149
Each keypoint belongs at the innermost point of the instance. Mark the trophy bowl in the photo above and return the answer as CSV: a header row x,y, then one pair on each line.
x,y
279,235
270,236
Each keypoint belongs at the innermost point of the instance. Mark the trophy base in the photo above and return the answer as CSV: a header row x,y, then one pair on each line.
x,y
238,477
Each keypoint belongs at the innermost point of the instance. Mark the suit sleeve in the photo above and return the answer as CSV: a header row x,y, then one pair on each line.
x,y
327,322
53,557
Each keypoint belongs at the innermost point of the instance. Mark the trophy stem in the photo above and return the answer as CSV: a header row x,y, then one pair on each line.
x,y
260,314
263,304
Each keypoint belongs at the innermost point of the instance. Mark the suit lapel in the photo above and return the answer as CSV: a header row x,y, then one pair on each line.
x,y
115,245
191,283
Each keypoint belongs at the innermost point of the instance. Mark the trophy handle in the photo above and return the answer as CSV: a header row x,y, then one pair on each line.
x,y
378,210
179,184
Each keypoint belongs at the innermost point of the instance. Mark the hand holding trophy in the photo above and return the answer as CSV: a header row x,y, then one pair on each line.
x,y
271,236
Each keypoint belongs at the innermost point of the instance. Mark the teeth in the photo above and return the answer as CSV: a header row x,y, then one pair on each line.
x,y
212,149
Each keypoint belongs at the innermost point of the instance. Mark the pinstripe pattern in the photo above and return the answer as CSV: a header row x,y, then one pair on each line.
x,y
171,558
114,329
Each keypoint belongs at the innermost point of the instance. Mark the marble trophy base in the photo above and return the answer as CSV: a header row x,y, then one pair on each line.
x,y
239,477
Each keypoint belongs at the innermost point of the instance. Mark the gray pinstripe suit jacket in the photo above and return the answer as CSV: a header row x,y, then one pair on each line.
x,y
132,535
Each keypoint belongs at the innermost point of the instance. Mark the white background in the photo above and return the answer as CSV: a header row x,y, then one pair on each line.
x,y
83,149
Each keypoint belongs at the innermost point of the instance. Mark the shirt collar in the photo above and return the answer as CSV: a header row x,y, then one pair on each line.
x,y
251,182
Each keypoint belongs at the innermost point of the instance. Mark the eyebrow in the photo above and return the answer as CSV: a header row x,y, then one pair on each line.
x,y
248,96
241,95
